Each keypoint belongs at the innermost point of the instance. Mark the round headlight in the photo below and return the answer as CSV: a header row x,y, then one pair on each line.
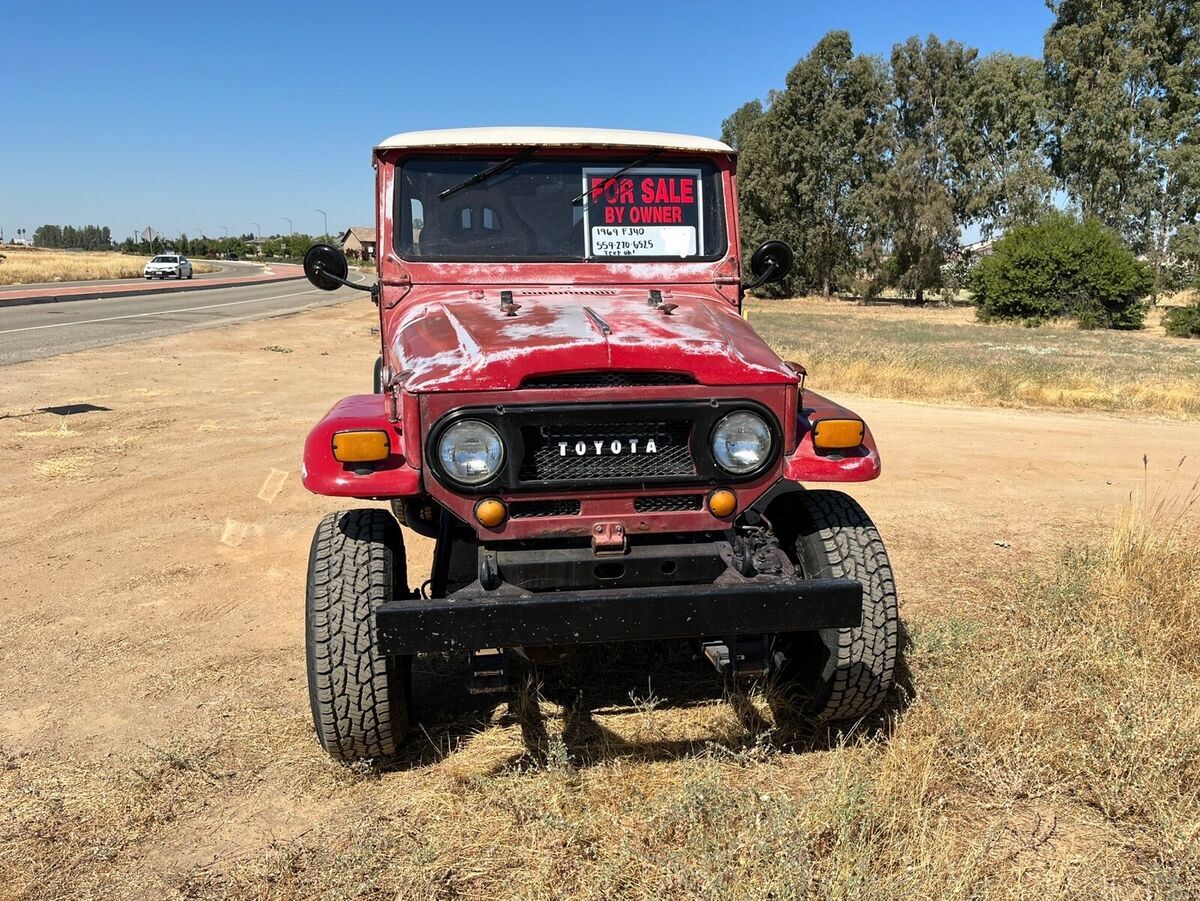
x,y
741,442
471,452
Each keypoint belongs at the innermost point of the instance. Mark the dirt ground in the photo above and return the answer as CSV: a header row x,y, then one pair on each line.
x,y
152,559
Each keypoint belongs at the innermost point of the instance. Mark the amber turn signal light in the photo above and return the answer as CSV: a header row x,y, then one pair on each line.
x,y
722,503
361,447
838,434
491,512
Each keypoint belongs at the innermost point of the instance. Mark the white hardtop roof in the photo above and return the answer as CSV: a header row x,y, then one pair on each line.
x,y
533,136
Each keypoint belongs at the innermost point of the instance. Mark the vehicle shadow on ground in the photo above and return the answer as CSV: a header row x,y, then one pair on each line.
x,y
562,711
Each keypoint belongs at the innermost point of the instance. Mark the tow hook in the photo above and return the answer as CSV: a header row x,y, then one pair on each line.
x,y
608,539
489,673
743,655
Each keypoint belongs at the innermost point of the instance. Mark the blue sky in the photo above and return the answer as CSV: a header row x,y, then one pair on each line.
x,y
191,117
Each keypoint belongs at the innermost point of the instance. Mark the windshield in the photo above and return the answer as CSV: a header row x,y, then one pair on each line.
x,y
165,260
559,210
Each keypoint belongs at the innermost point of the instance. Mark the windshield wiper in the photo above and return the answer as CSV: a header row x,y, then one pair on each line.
x,y
610,179
489,172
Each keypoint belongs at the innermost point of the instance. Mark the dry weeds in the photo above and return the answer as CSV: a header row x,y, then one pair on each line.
x,y
1047,746
945,356
27,265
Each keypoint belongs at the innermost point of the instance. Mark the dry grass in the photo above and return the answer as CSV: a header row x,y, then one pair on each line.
x,y
66,468
27,265
1046,746
945,356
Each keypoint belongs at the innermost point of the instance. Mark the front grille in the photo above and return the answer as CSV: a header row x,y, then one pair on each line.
x,y
668,503
608,379
530,509
568,452
641,446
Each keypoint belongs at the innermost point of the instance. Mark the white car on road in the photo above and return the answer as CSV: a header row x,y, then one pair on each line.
x,y
168,265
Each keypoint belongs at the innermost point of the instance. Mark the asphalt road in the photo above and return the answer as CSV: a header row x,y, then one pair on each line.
x,y
228,269
45,330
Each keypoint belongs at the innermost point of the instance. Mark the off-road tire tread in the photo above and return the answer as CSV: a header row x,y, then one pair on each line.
x,y
358,697
846,544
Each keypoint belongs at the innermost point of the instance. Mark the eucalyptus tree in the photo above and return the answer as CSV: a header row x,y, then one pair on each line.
x,y
735,130
1010,178
810,161
925,193
1124,92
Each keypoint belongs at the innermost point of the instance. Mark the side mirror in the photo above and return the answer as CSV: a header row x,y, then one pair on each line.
x,y
771,262
326,267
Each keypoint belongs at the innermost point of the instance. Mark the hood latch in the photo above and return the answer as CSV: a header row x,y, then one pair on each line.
x,y
507,307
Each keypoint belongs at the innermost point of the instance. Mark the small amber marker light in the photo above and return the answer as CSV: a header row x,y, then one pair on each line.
x,y
838,434
361,446
491,512
722,503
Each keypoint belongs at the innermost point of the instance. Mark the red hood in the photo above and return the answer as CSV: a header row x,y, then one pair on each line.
x,y
454,342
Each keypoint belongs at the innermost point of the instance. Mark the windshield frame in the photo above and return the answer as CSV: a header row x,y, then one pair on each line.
x,y
713,176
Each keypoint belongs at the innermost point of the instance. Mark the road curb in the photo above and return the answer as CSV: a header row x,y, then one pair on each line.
x,y
142,290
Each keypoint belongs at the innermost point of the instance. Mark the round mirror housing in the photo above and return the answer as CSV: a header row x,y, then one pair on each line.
x,y
771,262
322,261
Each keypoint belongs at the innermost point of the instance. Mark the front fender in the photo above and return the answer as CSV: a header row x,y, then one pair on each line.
x,y
322,474
807,464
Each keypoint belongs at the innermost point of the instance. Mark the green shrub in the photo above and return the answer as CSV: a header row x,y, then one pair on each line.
x,y
1062,267
1183,322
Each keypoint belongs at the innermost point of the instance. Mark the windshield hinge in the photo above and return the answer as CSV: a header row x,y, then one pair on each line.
x,y
727,272
404,282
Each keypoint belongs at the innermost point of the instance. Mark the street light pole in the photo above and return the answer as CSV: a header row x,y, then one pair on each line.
x,y
226,227
326,233
289,222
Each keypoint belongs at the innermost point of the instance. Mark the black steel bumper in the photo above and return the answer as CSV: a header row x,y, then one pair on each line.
x,y
472,618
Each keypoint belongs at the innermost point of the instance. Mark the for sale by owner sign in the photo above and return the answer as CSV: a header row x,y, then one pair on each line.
x,y
643,212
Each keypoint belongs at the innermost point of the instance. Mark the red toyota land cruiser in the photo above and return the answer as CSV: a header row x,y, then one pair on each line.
x,y
569,401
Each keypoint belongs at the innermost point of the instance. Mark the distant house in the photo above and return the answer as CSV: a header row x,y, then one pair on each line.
x,y
969,253
359,242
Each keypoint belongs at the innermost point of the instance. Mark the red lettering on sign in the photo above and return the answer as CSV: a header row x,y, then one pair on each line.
x,y
619,191
656,215
668,190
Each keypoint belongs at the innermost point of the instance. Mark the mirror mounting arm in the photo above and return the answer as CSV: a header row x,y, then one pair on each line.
x,y
772,267
374,289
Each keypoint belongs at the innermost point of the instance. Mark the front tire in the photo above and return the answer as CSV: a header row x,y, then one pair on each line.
x,y
359,697
838,674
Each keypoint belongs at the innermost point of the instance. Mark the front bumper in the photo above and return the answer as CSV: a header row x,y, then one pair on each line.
x,y
472,619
